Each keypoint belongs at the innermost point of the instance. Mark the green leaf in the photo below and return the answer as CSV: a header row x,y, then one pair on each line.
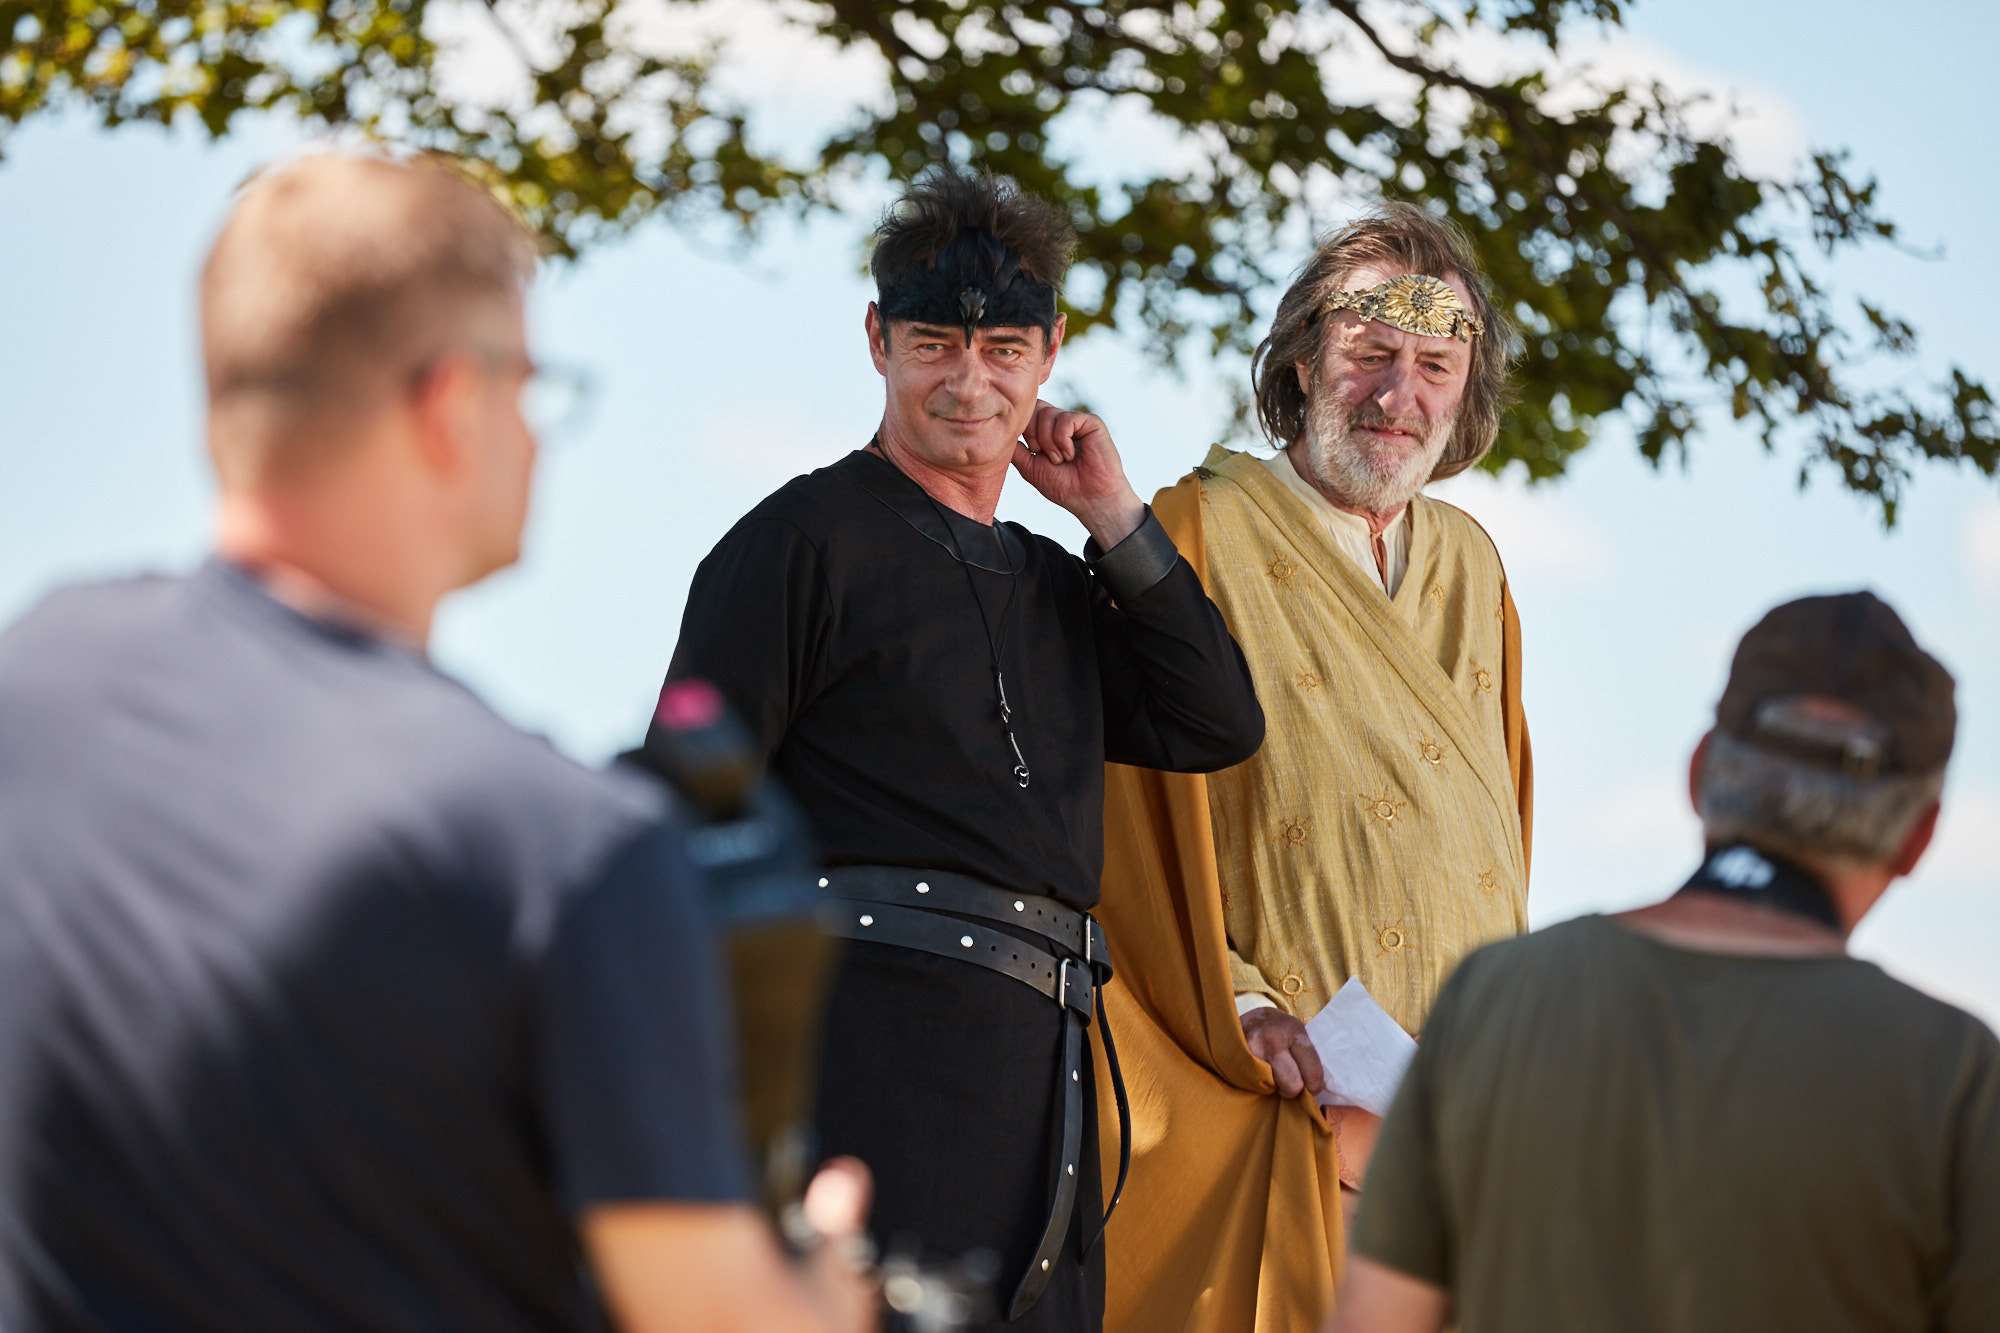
x,y
1614,261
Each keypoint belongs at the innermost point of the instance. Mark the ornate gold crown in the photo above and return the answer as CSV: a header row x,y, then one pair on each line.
x,y
1415,303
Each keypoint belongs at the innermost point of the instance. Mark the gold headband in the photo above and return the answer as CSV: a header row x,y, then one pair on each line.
x,y
1415,303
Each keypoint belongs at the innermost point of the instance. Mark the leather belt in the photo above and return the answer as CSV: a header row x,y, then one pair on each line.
x,y
904,907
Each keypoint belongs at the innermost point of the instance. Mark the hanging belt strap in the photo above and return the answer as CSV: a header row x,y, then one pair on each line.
x,y
899,906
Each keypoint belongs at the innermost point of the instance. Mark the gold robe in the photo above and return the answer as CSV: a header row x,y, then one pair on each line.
x,y
1395,764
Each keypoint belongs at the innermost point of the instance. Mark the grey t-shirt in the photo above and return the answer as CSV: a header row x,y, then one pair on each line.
x,y
327,999
1602,1131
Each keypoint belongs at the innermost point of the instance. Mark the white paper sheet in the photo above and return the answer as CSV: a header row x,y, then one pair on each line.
x,y
1363,1050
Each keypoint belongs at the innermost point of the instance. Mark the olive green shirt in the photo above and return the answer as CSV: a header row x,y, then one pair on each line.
x,y
1602,1131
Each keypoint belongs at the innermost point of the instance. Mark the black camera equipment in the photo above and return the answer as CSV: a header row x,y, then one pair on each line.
x,y
764,897
938,1298
769,905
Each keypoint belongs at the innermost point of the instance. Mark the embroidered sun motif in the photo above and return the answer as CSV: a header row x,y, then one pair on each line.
x,y
1432,751
1384,809
1309,680
1283,570
1392,939
1295,832
1415,303
1293,983
1482,679
1436,594
1500,611
1489,882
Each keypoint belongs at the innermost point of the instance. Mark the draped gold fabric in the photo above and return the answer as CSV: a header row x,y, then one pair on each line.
x,y
1231,1221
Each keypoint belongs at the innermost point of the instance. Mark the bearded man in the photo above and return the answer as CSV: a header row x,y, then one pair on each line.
x,y
1380,834
940,692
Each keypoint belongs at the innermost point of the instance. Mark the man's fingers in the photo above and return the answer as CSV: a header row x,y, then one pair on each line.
x,y
1310,1068
1045,434
1037,434
1281,1042
1052,432
836,1202
1286,1071
1062,437
1037,469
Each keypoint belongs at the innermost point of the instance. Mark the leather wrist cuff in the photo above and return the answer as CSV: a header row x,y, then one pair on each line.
x,y
1135,564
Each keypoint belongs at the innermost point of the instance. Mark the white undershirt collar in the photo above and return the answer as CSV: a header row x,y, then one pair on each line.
x,y
1350,532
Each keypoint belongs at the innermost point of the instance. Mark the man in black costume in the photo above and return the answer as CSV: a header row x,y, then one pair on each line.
x,y
941,693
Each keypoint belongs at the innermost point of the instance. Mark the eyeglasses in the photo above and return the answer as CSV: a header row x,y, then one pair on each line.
x,y
556,401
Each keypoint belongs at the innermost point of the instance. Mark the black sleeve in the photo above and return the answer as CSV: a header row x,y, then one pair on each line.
x,y
1177,692
635,1059
755,626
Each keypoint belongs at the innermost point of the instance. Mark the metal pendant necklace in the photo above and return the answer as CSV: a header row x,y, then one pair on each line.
x,y
993,646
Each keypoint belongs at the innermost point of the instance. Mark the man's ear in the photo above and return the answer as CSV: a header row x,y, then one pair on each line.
x,y
1305,374
444,405
1055,337
878,339
1694,771
1916,842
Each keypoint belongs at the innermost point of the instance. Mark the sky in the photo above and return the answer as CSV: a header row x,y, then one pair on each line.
x,y
720,376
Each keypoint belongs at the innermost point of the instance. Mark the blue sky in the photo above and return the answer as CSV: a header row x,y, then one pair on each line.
x,y
721,378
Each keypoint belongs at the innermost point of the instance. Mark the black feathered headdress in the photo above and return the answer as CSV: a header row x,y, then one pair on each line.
x,y
975,282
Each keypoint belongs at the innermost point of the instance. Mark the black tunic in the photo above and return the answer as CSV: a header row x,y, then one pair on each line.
x,y
839,620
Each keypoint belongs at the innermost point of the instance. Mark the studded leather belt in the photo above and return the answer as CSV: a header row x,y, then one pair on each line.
x,y
908,908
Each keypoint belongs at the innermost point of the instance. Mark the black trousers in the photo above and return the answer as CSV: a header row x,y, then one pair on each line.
x,y
942,1077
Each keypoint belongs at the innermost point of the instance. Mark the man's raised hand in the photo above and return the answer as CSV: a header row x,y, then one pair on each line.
x,y
1280,1040
1069,458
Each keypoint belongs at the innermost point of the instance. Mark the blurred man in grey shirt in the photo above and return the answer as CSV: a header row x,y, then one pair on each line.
x,y
327,999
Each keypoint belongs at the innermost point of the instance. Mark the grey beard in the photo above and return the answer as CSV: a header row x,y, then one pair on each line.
x,y
1346,470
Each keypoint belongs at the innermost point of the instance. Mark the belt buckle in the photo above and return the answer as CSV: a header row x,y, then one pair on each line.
x,y
1097,958
1089,1011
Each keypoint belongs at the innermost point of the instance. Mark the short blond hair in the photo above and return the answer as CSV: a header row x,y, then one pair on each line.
x,y
338,273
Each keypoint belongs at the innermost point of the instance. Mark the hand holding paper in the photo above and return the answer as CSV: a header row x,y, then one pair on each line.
x,y
1362,1049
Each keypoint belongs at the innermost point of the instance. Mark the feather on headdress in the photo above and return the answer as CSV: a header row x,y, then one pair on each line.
x,y
976,282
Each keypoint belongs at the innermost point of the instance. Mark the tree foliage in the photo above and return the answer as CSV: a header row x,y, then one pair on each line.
x,y
1653,275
